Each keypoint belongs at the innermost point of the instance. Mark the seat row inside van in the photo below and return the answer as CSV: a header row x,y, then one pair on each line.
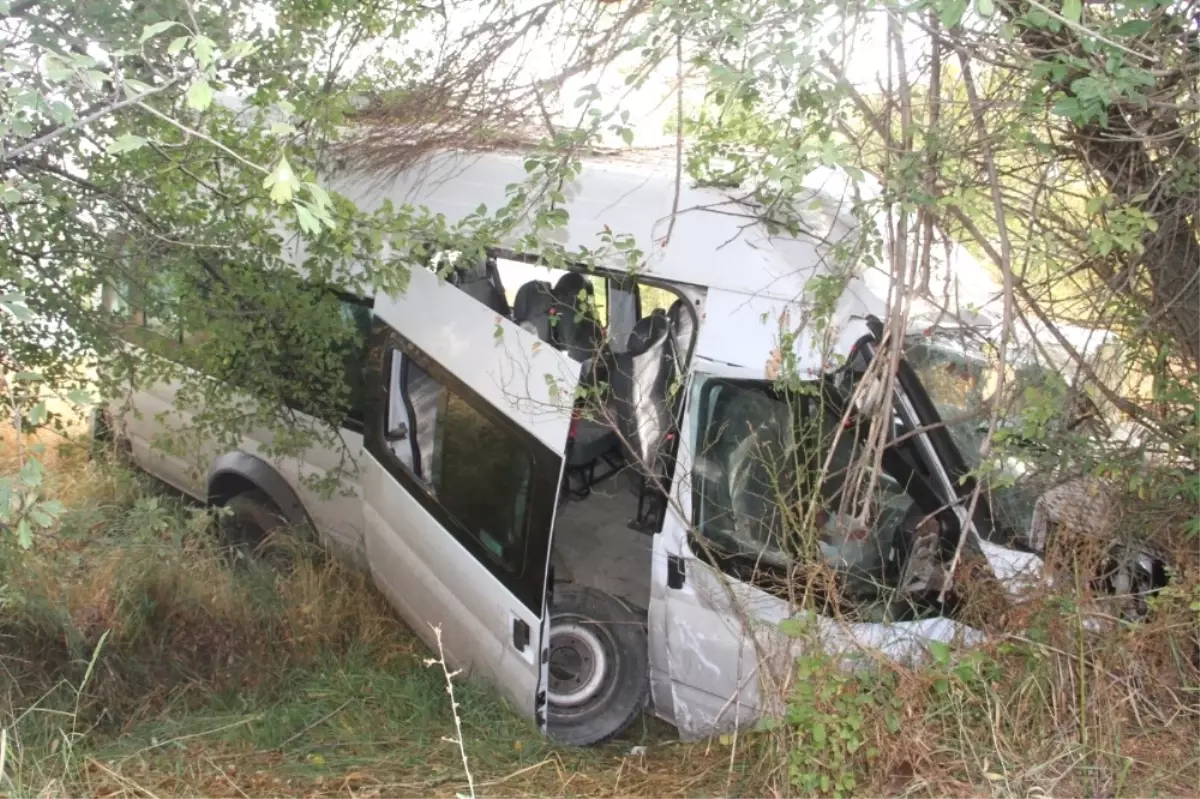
x,y
632,342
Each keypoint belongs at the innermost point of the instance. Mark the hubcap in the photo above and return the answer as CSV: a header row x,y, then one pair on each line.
x,y
578,664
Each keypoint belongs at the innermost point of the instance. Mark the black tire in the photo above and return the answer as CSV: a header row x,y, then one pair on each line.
x,y
105,440
252,529
599,666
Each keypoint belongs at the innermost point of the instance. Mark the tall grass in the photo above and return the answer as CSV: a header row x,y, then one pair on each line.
x,y
137,660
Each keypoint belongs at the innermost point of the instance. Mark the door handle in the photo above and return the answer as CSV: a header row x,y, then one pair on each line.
x,y
520,634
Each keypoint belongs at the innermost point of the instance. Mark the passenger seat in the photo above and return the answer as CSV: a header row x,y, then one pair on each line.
x,y
640,377
532,308
576,330
482,282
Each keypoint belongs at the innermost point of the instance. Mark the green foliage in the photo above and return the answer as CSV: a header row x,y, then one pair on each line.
x,y
168,159
828,715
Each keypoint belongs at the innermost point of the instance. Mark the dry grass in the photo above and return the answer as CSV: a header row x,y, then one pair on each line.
x,y
134,661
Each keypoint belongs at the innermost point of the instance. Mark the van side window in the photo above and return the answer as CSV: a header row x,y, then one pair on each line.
x,y
514,274
478,469
652,298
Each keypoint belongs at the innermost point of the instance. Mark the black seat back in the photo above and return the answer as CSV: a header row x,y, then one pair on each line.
x,y
532,308
639,388
482,282
682,326
576,330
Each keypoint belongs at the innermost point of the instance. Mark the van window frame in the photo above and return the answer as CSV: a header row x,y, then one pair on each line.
x,y
753,570
527,580
532,260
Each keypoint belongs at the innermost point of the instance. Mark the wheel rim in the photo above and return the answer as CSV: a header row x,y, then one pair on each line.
x,y
578,664
250,541
1132,581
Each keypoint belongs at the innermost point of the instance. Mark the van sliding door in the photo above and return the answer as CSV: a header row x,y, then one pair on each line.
x,y
464,441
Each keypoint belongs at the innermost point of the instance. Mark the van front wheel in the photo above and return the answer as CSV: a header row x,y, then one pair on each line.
x,y
251,527
599,669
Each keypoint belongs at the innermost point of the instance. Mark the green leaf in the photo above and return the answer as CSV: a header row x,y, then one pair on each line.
x,y
15,304
136,87
79,397
319,195
126,142
1072,9
177,44
627,135
57,68
205,47
308,222
37,414
818,734
150,31
282,182
950,12
282,128
96,79
940,652
985,8
792,628
61,112
1133,27
31,473
199,96
24,534
239,50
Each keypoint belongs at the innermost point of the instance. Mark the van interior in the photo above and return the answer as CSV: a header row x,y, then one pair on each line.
x,y
633,342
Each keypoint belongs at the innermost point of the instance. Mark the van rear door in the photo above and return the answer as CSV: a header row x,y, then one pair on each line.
x,y
466,430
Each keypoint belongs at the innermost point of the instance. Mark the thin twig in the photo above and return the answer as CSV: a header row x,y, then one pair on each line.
x,y
84,121
678,137
191,132
450,675
985,446
319,721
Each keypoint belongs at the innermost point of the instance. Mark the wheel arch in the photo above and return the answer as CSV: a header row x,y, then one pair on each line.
x,y
236,472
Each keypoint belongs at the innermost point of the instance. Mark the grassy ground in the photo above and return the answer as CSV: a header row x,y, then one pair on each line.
x,y
135,661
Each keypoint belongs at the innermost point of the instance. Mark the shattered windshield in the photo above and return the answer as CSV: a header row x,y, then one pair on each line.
x,y
962,381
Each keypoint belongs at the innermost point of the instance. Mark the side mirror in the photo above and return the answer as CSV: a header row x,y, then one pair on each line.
x,y
397,433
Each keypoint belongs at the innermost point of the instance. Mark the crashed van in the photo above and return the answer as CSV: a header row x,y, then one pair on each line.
x,y
573,473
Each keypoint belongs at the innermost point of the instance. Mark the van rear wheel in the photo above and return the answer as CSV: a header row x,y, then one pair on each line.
x,y
599,669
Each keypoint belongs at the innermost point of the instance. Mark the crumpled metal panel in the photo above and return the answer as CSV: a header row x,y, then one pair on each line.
x,y
729,663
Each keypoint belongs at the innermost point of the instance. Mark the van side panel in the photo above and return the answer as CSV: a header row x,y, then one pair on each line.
x,y
337,517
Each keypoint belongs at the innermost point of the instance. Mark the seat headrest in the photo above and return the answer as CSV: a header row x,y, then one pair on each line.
x,y
678,314
534,297
649,331
682,325
569,285
467,272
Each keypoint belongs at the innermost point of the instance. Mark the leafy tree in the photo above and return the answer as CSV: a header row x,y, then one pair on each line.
x,y
164,157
